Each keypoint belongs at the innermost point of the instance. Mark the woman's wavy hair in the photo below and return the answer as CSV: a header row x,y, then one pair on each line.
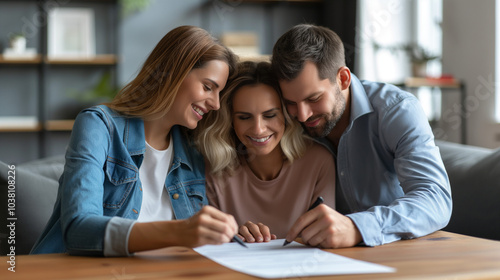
x,y
215,136
155,87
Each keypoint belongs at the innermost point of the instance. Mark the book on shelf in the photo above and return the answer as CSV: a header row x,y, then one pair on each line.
x,y
244,44
442,81
29,53
19,122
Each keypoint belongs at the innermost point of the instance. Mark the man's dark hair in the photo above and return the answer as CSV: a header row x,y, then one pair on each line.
x,y
307,42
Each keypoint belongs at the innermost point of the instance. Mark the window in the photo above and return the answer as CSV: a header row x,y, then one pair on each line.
x,y
386,29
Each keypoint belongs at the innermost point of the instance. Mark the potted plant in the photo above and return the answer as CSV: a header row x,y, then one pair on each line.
x,y
419,57
17,42
103,91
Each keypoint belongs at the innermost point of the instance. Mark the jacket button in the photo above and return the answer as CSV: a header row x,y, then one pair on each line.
x,y
176,196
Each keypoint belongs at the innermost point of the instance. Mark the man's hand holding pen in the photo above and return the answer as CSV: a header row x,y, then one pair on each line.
x,y
326,228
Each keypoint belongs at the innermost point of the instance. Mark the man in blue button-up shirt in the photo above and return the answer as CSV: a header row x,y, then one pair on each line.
x,y
391,182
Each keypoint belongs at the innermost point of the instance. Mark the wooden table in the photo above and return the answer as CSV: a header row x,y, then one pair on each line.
x,y
441,255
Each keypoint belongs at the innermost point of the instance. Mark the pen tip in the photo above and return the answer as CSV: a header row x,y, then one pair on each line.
x,y
286,242
239,241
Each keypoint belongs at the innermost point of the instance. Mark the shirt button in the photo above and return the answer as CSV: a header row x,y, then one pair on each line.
x,y
341,173
176,196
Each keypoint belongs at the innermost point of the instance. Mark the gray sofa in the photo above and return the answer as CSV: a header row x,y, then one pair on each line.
x,y
36,186
474,175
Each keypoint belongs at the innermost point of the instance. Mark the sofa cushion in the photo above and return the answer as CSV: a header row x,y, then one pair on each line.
x,y
51,167
474,174
35,196
460,158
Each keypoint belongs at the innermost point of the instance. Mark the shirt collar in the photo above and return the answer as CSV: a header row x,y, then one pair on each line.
x,y
136,144
134,137
181,146
360,104
135,140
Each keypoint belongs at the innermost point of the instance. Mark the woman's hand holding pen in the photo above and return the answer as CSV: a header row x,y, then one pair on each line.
x,y
208,226
259,232
326,228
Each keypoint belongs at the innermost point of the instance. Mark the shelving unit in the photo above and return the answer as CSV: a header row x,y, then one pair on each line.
x,y
46,88
59,125
216,13
103,59
36,60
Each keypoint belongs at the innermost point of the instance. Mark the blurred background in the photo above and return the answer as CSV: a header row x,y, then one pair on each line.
x,y
58,57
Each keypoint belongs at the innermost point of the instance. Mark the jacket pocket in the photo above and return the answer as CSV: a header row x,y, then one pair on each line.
x,y
196,193
120,173
120,181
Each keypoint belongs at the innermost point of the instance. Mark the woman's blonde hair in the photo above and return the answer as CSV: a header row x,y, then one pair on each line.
x,y
215,136
154,89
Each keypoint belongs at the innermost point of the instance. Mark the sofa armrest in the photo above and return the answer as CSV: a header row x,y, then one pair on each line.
x,y
35,196
51,167
474,174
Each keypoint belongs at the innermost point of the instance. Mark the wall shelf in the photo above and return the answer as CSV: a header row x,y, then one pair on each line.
x,y
36,128
59,125
20,129
104,59
445,84
36,60
256,58
432,82
39,87
20,124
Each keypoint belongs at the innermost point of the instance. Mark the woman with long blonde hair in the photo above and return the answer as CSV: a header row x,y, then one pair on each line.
x,y
132,180
261,168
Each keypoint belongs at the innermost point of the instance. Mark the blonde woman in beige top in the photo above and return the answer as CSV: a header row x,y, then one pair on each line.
x,y
261,168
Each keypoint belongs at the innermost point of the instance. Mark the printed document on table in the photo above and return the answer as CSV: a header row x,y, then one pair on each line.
x,y
272,260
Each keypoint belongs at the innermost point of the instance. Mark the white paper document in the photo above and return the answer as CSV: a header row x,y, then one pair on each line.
x,y
272,260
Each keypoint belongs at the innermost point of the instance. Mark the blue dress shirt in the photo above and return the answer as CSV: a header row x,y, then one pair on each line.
x,y
391,180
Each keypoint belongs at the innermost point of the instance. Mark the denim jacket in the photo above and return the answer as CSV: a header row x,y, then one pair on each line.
x,y
100,193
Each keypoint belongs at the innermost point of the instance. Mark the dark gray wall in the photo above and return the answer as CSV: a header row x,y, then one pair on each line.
x,y
141,31
137,35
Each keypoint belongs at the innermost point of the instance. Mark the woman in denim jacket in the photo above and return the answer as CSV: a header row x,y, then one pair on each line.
x,y
115,196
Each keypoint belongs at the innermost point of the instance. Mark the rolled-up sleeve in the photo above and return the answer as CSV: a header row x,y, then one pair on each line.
x,y
116,237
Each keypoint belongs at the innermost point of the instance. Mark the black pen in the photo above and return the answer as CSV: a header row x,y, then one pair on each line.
x,y
318,201
238,240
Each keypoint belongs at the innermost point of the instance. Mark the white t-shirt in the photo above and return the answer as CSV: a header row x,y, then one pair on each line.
x,y
156,205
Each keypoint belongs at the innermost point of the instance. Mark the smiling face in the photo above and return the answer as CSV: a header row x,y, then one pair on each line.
x,y
258,119
317,104
199,93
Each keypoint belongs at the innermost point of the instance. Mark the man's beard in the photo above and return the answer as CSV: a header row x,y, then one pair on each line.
x,y
331,119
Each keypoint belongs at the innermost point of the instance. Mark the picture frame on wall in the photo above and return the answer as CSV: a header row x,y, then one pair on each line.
x,y
71,33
